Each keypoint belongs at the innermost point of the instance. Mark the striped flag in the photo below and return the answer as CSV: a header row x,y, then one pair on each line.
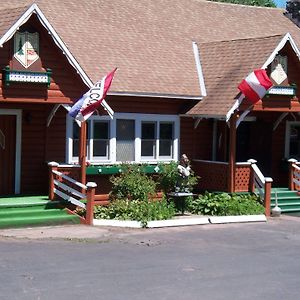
x,y
91,100
255,85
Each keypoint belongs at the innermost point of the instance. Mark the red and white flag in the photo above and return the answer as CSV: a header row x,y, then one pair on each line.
x,y
91,100
255,85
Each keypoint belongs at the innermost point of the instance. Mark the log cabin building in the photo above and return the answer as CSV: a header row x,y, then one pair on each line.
x,y
179,64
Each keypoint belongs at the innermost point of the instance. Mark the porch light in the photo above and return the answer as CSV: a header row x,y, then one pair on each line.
x,y
27,76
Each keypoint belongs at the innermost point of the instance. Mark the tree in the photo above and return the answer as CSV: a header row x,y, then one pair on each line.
x,y
267,3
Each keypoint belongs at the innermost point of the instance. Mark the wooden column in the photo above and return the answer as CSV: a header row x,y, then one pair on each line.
x,y
267,200
89,217
82,152
232,154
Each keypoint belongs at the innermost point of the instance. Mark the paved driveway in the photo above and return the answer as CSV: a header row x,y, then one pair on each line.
x,y
232,261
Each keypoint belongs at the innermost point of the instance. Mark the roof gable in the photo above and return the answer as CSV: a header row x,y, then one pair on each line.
x,y
233,61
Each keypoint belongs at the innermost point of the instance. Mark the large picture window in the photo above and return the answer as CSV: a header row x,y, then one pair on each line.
x,y
292,142
126,138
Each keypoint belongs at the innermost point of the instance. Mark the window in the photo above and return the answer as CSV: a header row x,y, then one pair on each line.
x,y
99,144
166,139
292,143
97,141
148,140
126,138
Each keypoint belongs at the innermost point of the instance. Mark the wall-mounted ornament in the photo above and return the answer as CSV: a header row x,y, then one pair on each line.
x,y
26,47
11,76
279,69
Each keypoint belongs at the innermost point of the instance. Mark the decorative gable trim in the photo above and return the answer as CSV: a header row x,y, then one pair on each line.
x,y
281,44
199,69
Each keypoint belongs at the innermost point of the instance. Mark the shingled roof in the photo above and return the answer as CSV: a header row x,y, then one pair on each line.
x,y
151,42
225,64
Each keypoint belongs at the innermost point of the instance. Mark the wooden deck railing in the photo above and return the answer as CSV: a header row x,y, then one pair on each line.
x,y
72,191
294,175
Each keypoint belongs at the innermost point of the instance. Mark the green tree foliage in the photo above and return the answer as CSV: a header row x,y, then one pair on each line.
x,y
266,3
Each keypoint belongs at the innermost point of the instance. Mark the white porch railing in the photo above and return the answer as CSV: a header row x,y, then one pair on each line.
x,y
262,185
294,174
72,191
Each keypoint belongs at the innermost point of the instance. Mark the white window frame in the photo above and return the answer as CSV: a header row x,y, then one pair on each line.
x,y
138,118
288,127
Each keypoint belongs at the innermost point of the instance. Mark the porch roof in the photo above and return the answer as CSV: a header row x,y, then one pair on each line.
x,y
232,61
151,42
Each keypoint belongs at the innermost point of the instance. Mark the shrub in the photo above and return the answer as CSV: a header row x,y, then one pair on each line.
x,y
135,210
132,185
168,177
224,204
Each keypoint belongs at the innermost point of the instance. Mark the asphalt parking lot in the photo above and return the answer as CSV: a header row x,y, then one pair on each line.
x,y
227,261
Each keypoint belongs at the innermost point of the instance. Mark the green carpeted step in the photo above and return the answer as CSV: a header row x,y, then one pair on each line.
x,y
22,211
38,221
31,211
286,200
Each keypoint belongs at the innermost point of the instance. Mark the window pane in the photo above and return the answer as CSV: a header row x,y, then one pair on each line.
x,y
148,148
125,140
101,130
75,147
148,130
75,136
166,139
125,151
125,130
148,139
165,148
75,139
166,131
100,148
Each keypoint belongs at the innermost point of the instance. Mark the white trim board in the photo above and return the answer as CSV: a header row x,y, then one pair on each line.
x,y
18,114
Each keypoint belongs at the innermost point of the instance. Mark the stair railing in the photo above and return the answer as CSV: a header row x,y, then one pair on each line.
x,y
261,184
294,175
68,189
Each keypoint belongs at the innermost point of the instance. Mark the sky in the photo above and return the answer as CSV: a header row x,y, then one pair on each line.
x,y
280,3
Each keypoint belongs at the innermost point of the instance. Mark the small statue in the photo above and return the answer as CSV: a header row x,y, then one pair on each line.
x,y
184,171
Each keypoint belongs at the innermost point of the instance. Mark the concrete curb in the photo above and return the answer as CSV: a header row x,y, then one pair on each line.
x,y
188,221
237,219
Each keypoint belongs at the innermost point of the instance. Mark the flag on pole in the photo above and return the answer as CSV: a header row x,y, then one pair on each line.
x,y
255,85
91,100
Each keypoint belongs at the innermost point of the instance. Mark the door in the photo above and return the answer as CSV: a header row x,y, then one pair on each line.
x,y
254,140
7,154
10,151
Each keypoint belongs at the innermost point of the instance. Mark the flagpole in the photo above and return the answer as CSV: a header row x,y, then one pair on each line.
x,y
82,152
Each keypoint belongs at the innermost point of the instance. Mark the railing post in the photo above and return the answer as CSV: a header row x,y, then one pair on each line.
x,y
53,166
251,180
89,217
267,200
291,161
